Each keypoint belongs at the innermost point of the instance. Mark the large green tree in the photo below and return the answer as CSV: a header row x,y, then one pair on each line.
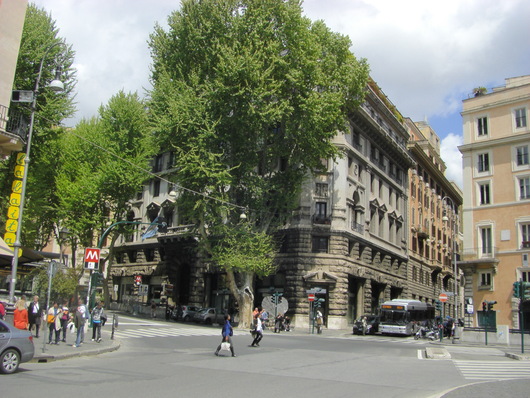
x,y
249,94
40,42
102,167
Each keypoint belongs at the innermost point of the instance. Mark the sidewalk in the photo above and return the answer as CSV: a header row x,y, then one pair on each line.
x,y
54,352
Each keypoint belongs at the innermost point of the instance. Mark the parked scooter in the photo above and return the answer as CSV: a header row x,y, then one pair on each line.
x,y
426,333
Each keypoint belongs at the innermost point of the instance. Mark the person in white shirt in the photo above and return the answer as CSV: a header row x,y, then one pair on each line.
x,y
258,332
34,315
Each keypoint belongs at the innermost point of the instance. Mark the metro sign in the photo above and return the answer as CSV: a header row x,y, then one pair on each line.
x,y
91,258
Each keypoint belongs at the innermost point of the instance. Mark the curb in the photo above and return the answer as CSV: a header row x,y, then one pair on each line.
x,y
43,358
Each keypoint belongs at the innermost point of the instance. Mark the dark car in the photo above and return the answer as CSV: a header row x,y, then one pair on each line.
x,y
16,346
372,324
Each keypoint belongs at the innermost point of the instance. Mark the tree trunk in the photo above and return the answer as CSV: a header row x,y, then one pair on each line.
x,y
244,296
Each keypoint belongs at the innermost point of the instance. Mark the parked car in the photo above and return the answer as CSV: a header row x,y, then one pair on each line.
x,y
16,346
187,312
372,324
209,316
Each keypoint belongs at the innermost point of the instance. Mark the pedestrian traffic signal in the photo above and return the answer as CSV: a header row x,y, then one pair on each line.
x,y
490,305
517,289
438,305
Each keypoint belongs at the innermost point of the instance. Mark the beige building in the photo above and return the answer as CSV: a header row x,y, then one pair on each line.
x,y
496,198
434,215
12,14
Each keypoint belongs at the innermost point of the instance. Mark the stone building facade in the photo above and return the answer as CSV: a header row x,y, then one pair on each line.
x,y
433,241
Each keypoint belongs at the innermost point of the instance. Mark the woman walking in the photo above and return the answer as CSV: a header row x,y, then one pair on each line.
x,y
227,333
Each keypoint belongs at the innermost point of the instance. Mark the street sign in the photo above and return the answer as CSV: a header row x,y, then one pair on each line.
x,y
143,290
91,258
442,297
138,280
311,297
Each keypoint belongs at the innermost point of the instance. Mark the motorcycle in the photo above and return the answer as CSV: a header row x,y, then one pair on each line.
x,y
425,333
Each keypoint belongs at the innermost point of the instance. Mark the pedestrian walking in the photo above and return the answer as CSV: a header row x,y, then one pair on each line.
x,y
278,323
34,315
320,321
153,309
258,332
65,317
227,333
54,323
2,310
264,318
364,325
80,318
20,316
97,315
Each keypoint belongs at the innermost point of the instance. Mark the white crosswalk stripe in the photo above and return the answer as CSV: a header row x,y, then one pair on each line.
x,y
167,332
385,339
490,370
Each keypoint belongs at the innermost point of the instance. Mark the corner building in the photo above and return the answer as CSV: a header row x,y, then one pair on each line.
x,y
497,200
348,236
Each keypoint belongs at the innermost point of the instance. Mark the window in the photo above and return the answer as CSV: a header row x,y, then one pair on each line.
x,y
320,244
156,188
522,155
520,118
525,236
485,279
486,242
482,126
483,162
321,209
484,191
524,188
157,164
525,276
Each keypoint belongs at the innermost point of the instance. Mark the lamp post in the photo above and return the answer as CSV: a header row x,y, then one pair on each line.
x,y
55,85
445,218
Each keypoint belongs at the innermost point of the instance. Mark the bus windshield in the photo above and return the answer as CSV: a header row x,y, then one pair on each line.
x,y
395,317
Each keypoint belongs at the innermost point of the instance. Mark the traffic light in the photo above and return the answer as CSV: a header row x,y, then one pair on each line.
x,y
490,305
525,290
517,289
484,306
438,305
318,302
97,278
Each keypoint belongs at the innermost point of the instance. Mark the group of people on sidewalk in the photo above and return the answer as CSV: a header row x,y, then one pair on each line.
x,y
59,319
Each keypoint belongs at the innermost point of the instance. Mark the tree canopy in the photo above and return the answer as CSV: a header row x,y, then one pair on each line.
x,y
249,94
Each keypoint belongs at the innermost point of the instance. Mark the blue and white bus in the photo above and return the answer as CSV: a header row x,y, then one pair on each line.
x,y
404,316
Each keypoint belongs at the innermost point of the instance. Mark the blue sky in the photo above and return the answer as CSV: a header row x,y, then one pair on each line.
x,y
427,56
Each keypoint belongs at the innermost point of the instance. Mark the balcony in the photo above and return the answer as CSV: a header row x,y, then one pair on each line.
x,y
479,253
423,233
321,219
525,244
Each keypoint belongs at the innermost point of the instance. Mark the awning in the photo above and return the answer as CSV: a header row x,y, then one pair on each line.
x,y
6,255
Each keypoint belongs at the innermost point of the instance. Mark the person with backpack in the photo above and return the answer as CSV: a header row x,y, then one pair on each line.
x,y
80,317
97,316
54,322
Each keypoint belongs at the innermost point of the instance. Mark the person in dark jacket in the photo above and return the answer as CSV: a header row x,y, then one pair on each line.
x,y
227,333
34,315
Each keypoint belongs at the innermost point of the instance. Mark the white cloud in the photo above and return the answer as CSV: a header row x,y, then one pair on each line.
x,y
452,158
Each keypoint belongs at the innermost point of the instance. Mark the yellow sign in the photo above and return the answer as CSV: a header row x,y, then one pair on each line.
x,y
12,212
14,199
21,158
19,171
10,238
11,225
16,187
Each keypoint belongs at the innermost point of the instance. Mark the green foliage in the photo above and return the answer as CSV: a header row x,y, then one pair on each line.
x,y
102,166
64,283
249,94
40,42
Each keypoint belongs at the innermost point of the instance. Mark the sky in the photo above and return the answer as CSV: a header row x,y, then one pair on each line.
x,y
426,55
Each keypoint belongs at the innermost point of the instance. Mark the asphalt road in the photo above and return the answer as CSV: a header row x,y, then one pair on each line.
x,y
158,358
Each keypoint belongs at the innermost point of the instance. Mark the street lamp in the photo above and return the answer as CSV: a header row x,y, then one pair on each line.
x,y
56,85
445,218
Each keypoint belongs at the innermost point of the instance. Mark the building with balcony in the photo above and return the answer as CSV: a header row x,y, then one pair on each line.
x,y
433,240
12,14
348,238
496,205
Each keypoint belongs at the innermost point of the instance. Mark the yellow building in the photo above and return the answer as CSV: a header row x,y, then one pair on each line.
x,y
496,200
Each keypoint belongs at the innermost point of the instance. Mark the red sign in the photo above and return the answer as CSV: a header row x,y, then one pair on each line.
x,y
442,297
138,280
91,258
311,297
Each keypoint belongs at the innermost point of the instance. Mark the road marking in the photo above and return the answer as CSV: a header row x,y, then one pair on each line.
x,y
141,333
488,370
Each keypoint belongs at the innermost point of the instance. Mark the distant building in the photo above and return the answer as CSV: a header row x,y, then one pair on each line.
x,y
12,15
433,242
497,199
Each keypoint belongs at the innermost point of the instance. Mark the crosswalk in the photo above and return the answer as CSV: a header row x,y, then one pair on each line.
x,y
169,332
493,370
385,339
